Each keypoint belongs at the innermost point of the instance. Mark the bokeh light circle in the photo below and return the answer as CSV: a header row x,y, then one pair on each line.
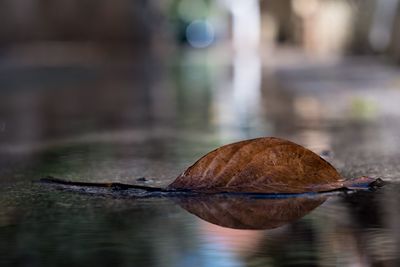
x,y
200,33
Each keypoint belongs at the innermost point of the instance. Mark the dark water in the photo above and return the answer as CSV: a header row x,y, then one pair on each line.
x,y
121,123
40,226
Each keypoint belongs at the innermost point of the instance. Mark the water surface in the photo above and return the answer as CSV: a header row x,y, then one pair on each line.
x,y
122,123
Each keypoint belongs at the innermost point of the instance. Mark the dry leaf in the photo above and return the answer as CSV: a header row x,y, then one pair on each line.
x,y
247,213
263,165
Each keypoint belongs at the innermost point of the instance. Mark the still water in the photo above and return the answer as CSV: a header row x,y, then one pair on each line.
x,y
126,123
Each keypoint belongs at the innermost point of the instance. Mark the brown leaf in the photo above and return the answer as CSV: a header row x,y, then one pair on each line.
x,y
262,165
247,213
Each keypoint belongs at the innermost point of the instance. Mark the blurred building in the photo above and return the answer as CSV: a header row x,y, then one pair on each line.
x,y
321,27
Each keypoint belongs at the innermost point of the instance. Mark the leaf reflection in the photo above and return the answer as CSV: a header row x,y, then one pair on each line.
x,y
249,213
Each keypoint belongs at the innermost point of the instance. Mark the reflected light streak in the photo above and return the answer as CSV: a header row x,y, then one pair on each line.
x,y
246,22
239,106
246,87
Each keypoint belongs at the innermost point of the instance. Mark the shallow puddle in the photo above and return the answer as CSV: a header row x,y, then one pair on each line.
x,y
40,226
124,125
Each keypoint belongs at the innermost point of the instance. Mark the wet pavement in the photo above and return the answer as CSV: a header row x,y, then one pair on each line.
x,y
123,122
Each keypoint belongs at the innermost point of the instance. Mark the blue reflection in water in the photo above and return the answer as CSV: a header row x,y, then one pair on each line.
x,y
211,254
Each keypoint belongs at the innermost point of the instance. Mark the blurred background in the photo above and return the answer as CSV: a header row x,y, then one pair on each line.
x,y
120,90
235,68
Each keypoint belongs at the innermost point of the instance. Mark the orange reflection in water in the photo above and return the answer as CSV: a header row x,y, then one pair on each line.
x,y
242,241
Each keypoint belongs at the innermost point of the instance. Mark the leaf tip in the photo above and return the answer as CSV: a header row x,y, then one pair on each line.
x,y
364,182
